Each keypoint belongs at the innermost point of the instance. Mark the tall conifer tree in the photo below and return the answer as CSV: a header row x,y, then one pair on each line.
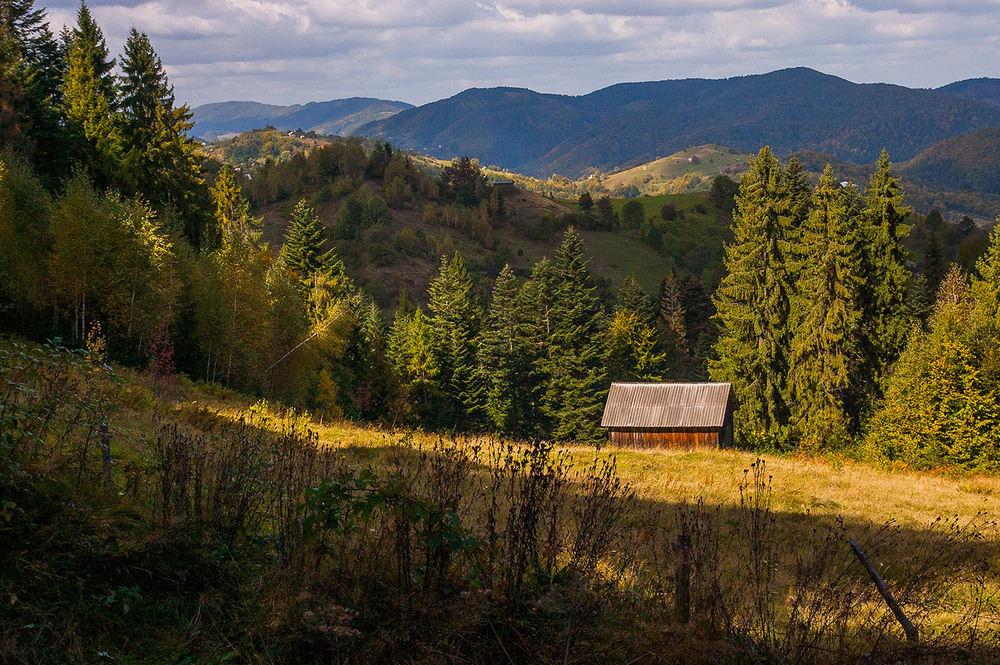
x,y
630,297
412,356
232,213
31,72
535,304
88,97
304,249
503,357
89,36
824,342
455,320
575,387
673,331
885,317
752,302
162,162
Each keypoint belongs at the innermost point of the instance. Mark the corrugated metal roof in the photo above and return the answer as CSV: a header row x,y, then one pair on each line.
x,y
666,405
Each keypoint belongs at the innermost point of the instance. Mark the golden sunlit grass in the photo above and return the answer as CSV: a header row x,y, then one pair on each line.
x,y
894,512
817,486
426,518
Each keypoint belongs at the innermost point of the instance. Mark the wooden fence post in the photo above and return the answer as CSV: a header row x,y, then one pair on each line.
x,y
908,627
682,580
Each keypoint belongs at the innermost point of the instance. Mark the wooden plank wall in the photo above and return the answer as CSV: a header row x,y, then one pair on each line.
x,y
674,440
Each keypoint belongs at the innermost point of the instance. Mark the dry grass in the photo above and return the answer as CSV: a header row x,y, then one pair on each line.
x,y
801,485
789,557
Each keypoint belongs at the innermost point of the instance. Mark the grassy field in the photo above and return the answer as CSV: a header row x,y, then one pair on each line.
x,y
226,532
690,168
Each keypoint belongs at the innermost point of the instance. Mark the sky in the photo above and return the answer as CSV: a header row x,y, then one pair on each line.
x,y
419,51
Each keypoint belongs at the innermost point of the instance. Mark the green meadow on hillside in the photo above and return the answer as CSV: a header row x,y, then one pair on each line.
x,y
686,170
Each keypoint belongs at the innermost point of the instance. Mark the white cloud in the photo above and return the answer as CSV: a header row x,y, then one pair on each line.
x,y
421,50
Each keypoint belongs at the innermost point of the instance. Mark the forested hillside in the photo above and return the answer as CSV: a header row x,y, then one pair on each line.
x,y
968,162
631,123
985,90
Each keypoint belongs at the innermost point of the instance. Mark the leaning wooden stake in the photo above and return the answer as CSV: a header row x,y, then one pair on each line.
x,y
908,627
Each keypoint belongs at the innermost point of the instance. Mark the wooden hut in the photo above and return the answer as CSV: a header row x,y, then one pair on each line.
x,y
670,415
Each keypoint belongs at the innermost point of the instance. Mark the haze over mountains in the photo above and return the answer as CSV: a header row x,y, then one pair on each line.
x,y
631,123
339,116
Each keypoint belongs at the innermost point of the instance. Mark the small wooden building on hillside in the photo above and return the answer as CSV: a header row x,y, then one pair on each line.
x,y
670,415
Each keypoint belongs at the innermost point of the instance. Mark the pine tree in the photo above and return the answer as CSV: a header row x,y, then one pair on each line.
x,y
89,101
630,297
799,194
304,250
364,377
630,349
233,329
162,162
942,404
700,328
89,36
797,199
232,214
672,328
919,301
31,72
455,320
535,302
885,321
824,342
575,379
752,303
412,356
503,358
934,268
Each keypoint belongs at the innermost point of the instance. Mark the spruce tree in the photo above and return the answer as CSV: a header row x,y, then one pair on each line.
x,y
752,303
162,163
824,342
631,298
942,405
535,302
672,328
797,199
701,330
630,349
31,72
799,194
455,318
885,317
88,98
232,214
411,354
365,380
934,267
575,378
89,36
503,358
304,250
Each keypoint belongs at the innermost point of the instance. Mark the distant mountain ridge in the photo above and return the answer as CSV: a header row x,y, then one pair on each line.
x,y
338,116
984,90
632,123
